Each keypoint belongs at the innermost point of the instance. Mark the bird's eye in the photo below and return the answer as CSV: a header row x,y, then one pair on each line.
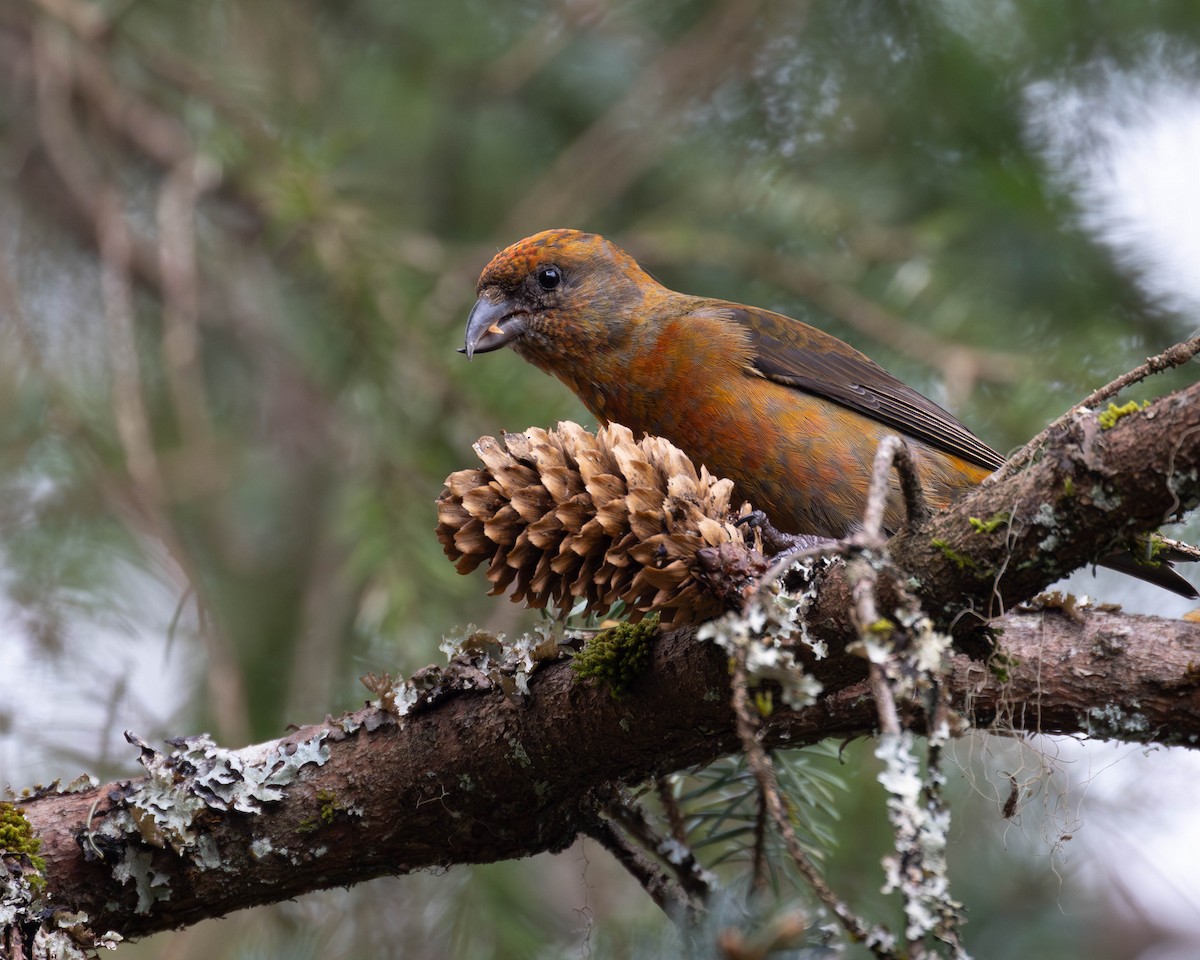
x,y
549,277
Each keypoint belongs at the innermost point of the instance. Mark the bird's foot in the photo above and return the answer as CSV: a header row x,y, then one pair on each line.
x,y
777,544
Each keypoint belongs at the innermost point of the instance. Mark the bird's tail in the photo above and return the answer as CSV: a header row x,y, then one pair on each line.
x,y
1153,559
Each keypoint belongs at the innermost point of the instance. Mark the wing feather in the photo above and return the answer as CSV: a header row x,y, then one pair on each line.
x,y
797,355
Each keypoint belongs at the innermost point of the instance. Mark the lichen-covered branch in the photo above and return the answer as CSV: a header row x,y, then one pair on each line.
x,y
664,891
874,938
479,761
906,658
480,774
1093,491
1174,356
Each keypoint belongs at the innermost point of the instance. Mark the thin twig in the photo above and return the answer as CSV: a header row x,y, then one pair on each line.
x,y
664,891
129,409
670,805
156,134
87,20
176,213
683,864
875,938
70,156
886,671
938,711
759,877
1173,356
866,613
892,452
915,504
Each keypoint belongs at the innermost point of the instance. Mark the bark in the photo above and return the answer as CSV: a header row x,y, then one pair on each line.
x,y
475,771
480,776
1113,484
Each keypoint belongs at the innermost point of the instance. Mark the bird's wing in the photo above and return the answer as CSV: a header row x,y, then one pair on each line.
x,y
797,355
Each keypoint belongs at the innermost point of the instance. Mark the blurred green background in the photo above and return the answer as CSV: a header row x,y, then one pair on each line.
x,y
239,242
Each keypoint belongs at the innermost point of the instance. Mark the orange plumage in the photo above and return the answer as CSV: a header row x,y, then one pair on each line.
x,y
744,391
791,414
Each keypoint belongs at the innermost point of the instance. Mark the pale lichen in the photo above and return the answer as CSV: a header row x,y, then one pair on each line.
x,y
773,620
928,646
918,869
136,866
479,660
518,752
1103,498
260,847
68,937
167,808
1111,721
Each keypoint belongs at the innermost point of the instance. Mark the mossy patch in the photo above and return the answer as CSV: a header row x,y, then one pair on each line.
x,y
960,560
17,840
883,627
1109,417
329,805
991,524
1149,550
1000,664
618,656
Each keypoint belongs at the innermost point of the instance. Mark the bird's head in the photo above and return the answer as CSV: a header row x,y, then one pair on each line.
x,y
556,297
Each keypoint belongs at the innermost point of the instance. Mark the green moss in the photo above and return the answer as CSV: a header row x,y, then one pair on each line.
x,y
1148,550
330,808
1000,663
960,560
329,805
1108,418
991,523
1069,487
764,703
882,627
618,656
17,840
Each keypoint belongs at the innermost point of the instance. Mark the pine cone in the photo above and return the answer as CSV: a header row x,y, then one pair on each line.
x,y
565,514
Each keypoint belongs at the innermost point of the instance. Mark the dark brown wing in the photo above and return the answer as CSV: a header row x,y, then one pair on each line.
x,y
797,355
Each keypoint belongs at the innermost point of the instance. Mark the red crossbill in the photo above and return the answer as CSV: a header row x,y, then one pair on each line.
x,y
791,414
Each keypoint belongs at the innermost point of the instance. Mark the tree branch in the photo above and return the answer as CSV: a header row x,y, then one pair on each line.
x,y
461,768
480,777
1174,356
1090,495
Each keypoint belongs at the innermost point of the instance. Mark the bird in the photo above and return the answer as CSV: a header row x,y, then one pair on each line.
x,y
792,414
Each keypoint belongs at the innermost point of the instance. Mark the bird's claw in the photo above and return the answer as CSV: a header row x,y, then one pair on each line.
x,y
775,542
